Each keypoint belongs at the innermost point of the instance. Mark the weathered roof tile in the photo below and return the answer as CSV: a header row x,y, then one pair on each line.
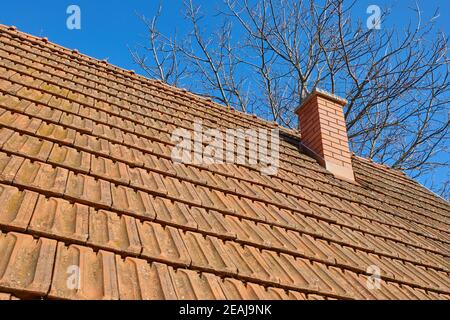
x,y
42,177
56,133
110,170
86,189
250,262
56,217
208,253
9,165
29,146
139,280
133,202
17,207
191,285
20,122
25,263
163,244
107,230
173,212
81,273
147,180
70,158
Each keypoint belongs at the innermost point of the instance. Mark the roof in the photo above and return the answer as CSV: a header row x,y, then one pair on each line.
x,y
89,191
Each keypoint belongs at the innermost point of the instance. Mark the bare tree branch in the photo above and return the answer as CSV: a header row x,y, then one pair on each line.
x,y
269,54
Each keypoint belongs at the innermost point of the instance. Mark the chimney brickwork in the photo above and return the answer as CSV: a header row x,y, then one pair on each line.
x,y
323,131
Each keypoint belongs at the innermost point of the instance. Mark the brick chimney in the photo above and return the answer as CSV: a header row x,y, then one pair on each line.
x,y
324,133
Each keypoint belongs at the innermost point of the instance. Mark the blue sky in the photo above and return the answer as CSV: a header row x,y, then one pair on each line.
x,y
109,28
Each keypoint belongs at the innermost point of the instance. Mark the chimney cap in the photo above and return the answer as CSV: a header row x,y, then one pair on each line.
x,y
325,94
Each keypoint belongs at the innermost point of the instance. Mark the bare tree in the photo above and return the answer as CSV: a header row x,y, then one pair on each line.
x,y
265,56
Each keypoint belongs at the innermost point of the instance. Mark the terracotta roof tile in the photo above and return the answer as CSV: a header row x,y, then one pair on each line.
x,y
139,280
70,158
245,230
250,263
29,146
5,134
111,170
20,122
148,181
182,190
26,264
191,285
56,217
237,290
92,144
212,222
9,165
171,212
107,230
17,207
85,159
128,155
163,244
208,253
84,188
74,121
56,133
133,202
43,112
42,177
81,273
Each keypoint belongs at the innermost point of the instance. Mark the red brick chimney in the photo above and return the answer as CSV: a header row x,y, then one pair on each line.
x,y
324,134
